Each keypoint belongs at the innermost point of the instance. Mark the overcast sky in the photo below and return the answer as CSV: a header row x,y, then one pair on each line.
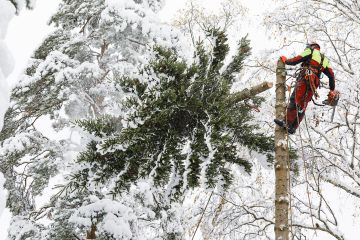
x,y
27,31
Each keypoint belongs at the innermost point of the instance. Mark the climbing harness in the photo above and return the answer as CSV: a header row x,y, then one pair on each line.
x,y
311,77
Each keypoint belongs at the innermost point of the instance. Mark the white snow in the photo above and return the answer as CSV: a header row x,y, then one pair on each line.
x,y
116,217
7,11
210,157
7,64
111,208
2,194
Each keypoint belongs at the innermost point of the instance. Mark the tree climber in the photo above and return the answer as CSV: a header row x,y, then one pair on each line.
x,y
308,80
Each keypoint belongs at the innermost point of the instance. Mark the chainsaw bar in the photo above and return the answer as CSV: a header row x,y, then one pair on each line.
x,y
333,113
334,103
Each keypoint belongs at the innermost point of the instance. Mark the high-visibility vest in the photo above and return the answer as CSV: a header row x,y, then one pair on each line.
x,y
317,57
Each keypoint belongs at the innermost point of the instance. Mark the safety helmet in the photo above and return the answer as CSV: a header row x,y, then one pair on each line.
x,y
312,44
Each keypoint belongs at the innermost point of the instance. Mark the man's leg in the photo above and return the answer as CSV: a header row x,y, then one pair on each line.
x,y
291,120
291,111
298,103
302,97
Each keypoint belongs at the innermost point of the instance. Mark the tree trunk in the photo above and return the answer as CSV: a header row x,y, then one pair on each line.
x,y
281,165
248,93
90,235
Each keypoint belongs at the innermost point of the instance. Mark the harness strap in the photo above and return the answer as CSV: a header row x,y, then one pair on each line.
x,y
311,80
321,62
311,70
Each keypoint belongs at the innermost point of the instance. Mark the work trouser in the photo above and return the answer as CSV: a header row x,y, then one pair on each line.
x,y
300,98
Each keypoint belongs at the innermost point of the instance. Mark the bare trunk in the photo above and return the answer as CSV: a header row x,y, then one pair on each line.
x,y
281,166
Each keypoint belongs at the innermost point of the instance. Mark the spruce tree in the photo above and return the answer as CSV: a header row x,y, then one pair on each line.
x,y
181,130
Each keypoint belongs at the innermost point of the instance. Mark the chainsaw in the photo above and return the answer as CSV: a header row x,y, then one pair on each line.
x,y
333,103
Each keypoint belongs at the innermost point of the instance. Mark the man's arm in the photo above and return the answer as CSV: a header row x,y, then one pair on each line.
x,y
330,74
304,56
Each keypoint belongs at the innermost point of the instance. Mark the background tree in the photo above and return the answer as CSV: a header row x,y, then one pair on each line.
x,y
7,12
195,20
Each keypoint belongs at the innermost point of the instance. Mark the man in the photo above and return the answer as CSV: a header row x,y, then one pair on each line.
x,y
313,64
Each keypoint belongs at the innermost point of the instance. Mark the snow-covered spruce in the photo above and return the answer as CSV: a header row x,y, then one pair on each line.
x,y
172,103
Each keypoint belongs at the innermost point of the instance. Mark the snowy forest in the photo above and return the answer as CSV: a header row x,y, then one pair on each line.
x,y
139,120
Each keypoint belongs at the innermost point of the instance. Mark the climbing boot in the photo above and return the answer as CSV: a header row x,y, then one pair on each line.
x,y
291,130
280,123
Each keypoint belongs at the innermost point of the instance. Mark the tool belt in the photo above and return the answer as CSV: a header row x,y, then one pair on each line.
x,y
311,76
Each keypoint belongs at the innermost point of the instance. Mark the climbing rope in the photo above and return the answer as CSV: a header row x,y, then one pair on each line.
x,y
202,215
304,159
289,165
313,157
306,177
298,78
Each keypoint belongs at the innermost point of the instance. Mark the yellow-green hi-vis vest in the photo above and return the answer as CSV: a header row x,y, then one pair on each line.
x,y
316,56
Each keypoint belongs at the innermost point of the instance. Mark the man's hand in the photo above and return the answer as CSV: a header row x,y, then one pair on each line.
x,y
331,94
283,59
333,97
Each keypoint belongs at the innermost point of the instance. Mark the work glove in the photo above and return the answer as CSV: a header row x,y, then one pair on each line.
x,y
333,97
283,59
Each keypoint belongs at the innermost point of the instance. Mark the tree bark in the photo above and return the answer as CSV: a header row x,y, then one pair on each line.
x,y
248,93
90,235
281,165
